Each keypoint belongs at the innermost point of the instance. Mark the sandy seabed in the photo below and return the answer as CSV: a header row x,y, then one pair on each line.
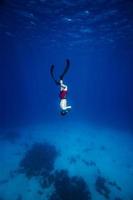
x,y
85,151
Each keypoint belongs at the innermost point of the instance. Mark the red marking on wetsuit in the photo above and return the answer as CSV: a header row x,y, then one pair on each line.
x,y
63,94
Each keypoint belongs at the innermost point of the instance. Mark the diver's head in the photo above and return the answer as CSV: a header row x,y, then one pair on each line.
x,y
63,112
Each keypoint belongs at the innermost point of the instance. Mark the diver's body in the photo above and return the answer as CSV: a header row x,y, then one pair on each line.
x,y
63,89
63,98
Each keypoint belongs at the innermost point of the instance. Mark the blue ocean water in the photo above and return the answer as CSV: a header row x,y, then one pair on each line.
x,y
97,38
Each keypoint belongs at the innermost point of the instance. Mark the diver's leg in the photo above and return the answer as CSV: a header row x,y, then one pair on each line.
x,y
63,86
63,105
68,107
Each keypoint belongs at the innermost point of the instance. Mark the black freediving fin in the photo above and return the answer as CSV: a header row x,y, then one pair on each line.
x,y
66,69
52,74
67,65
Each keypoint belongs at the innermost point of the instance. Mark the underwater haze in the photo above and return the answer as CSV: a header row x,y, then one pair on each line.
x,y
87,153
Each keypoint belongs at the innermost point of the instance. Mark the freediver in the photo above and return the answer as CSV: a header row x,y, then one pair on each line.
x,y
63,88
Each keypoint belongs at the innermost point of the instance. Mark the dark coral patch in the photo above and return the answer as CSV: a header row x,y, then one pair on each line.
x,y
89,163
47,180
74,159
101,187
69,188
39,160
114,184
